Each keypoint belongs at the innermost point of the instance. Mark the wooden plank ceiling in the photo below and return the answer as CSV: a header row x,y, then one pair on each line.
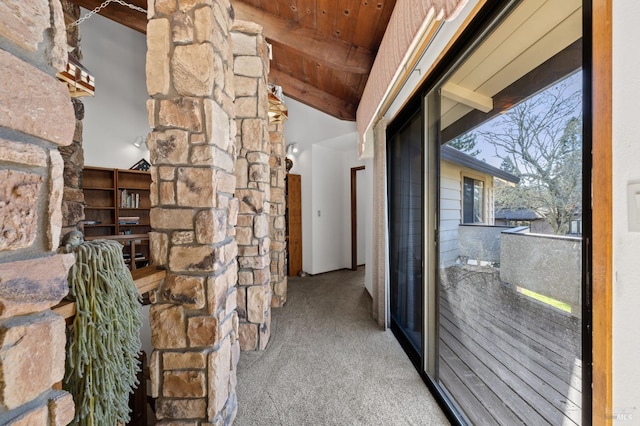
x,y
323,50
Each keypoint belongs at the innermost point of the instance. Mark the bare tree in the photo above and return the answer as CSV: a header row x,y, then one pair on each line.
x,y
540,141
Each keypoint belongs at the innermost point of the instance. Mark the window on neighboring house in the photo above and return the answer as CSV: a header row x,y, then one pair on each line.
x,y
473,201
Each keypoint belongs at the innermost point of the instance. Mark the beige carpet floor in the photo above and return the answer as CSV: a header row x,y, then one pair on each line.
x,y
328,363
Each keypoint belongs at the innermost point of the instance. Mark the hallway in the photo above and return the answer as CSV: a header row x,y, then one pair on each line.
x,y
328,363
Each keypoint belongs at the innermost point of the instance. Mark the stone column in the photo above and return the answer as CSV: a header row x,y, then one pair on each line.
x,y
36,117
277,224
251,65
73,154
194,323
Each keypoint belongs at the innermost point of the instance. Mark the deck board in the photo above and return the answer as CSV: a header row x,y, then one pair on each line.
x,y
500,350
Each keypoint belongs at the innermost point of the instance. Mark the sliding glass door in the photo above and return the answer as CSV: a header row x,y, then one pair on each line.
x,y
486,194
405,192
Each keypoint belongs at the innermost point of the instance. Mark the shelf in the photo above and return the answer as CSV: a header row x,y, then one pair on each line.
x,y
146,279
104,191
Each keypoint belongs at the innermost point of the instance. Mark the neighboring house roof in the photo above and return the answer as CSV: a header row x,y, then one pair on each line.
x,y
517,214
455,156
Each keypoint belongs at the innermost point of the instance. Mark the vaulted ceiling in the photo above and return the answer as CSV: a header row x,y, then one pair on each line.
x,y
323,50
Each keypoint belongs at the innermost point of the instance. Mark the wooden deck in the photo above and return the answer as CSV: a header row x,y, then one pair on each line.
x,y
507,359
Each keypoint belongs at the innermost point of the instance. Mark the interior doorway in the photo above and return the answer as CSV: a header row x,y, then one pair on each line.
x,y
357,236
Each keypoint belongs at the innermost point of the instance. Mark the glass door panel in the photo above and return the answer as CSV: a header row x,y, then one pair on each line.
x,y
405,188
510,216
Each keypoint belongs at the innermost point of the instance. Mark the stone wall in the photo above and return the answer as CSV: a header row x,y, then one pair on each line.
x,y
73,154
194,324
36,117
277,223
253,188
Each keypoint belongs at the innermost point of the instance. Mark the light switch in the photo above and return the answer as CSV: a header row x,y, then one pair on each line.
x,y
633,201
318,213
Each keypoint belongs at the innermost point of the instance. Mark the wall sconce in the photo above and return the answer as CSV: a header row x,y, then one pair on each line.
x,y
139,142
78,78
278,111
292,149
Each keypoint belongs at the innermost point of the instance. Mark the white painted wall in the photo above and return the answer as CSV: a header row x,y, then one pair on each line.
x,y
626,244
117,115
327,151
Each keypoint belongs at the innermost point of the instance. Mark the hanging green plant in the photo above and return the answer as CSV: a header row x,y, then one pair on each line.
x,y
104,341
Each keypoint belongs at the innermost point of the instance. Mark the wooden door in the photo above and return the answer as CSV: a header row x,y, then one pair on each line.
x,y
294,224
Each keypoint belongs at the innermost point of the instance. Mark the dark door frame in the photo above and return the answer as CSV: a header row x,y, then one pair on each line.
x,y
354,218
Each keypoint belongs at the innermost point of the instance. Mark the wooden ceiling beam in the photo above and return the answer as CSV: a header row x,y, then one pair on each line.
x,y
312,96
120,14
333,53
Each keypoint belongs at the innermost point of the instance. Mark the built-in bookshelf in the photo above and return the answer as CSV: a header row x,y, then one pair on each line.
x,y
117,207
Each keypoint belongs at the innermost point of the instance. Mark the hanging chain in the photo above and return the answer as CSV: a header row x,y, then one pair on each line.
x,y
102,6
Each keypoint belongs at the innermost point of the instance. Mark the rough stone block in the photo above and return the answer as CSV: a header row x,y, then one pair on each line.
x,y
248,66
258,157
33,285
244,44
154,374
158,246
171,218
223,160
261,226
216,292
185,290
192,258
219,373
61,408
22,153
165,7
167,173
244,237
18,208
246,86
201,155
183,113
226,182
254,262
169,147
211,226
167,194
248,336
257,303
246,107
158,48
259,173
191,69
202,331
203,24
183,237
184,360
261,276
181,27
252,134
232,301
168,328
232,216
181,408
184,384
32,353
252,201
265,332
196,187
